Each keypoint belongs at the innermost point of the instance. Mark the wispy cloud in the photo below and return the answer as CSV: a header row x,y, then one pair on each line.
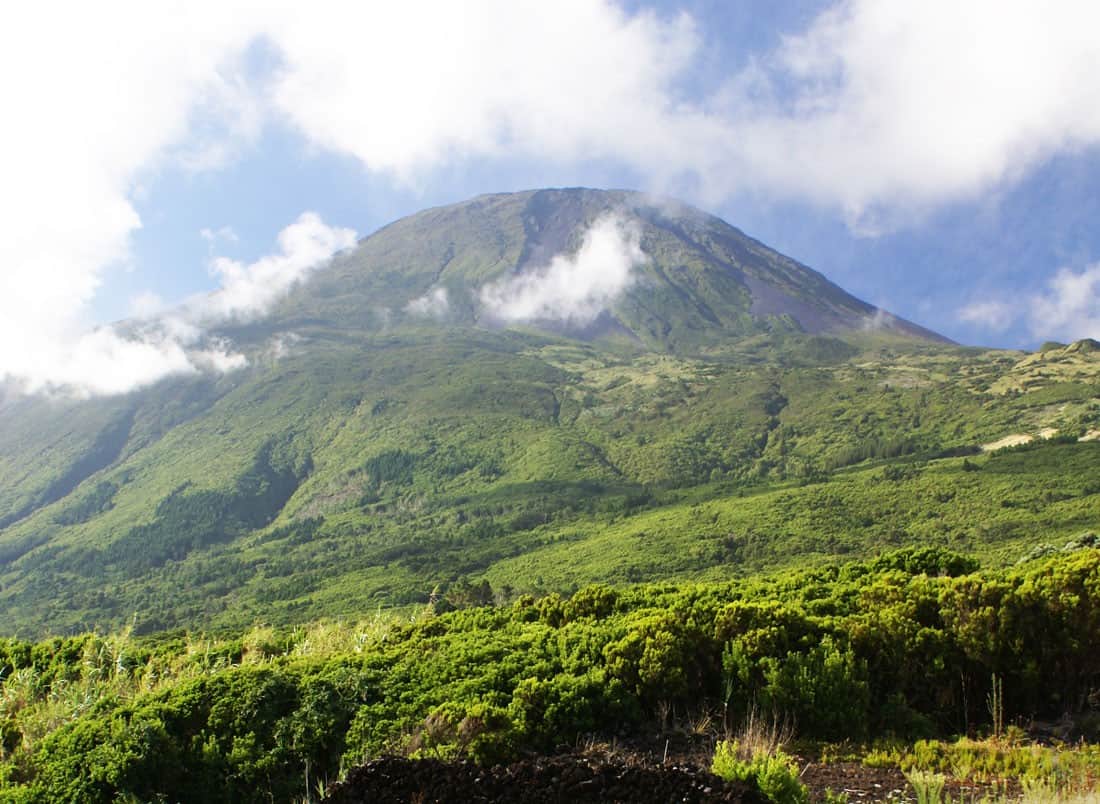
x,y
249,290
993,315
572,289
1067,308
433,304
213,236
163,342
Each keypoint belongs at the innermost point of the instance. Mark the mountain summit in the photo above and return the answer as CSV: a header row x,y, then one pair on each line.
x,y
587,263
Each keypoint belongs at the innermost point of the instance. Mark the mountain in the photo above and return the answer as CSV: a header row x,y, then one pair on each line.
x,y
698,283
462,403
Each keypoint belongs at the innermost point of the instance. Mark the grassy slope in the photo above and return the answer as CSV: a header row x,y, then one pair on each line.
x,y
360,473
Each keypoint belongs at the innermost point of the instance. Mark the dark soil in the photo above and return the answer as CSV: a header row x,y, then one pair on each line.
x,y
859,782
864,784
565,778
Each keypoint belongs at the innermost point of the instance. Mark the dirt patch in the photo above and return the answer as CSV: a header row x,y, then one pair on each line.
x,y
1014,440
861,783
567,778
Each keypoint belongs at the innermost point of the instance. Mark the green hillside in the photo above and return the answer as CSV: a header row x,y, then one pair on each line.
x,y
413,525
383,454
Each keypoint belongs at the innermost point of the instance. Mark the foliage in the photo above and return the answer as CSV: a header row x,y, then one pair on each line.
x,y
877,651
325,483
776,775
928,787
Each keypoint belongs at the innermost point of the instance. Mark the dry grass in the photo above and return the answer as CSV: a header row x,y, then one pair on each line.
x,y
762,735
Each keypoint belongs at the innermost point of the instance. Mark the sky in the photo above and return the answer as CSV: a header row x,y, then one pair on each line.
x,y
180,165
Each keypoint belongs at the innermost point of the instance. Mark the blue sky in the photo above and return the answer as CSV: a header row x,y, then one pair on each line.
x,y
937,159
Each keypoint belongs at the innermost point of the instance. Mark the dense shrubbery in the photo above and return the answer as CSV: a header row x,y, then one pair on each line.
x,y
904,645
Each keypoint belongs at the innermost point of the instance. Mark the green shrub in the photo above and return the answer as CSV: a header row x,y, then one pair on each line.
x,y
775,775
927,786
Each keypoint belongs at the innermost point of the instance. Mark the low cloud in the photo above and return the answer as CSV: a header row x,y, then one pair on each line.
x,y
160,343
879,320
1069,308
433,304
1066,309
995,316
572,289
248,291
107,361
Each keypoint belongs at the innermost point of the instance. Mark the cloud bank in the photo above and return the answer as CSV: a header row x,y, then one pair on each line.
x,y
877,109
572,289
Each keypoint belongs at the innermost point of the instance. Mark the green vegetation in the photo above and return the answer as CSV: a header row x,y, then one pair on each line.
x,y
727,495
862,650
775,774
369,455
309,490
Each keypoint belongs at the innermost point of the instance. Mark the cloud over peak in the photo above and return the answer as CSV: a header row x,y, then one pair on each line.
x,y
572,289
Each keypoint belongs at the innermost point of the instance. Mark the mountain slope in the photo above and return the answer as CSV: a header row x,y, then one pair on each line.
x,y
701,283
385,450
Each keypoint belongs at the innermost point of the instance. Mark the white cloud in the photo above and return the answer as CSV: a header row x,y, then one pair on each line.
x,y
106,361
879,108
433,304
146,305
572,289
157,344
1069,308
93,98
225,233
1066,309
993,315
248,291
416,85
898,105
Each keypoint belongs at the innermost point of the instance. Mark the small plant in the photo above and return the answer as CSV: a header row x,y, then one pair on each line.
x,y
831,797
1040,791
927,786
775,775
763,736
878,758
996,704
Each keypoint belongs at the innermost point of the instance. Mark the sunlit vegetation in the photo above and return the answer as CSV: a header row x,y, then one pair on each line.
x,y
910,646
324,487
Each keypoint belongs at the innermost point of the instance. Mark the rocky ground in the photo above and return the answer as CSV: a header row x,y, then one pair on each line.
x,y
567,778
665,767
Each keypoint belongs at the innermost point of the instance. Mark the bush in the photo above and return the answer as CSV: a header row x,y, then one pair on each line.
x,y
775,775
